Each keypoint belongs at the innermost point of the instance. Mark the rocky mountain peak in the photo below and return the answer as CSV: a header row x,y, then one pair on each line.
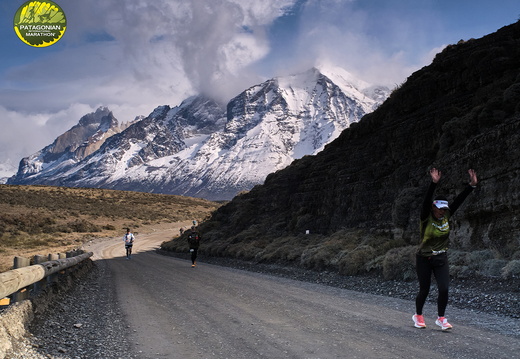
x,y
203,148
73,145
86,130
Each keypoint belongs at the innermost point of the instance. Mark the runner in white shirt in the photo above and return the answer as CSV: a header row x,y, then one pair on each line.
x,y
129,241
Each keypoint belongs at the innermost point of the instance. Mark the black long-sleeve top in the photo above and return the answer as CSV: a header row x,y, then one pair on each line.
x,y
435,232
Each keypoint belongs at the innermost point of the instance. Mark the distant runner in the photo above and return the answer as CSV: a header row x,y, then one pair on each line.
x,y
431,256
193,242
129,242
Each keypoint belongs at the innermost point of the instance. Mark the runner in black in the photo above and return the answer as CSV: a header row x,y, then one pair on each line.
x,y
194,242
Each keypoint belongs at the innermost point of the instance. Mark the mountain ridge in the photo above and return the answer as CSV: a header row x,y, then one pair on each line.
x,y
204,149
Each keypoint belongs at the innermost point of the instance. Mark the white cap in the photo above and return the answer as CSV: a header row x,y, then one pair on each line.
x,y
441,204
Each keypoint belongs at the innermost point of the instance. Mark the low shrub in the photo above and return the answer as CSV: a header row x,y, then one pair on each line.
x,y
246,251
216,248
323,255
354,262
375,265
315,257
492,267
511,269
399,263
283,253
475,259
286,249
457,257
83,226
461,271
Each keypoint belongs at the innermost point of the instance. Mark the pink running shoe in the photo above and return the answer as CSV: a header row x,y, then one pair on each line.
x,y
443,323
419,321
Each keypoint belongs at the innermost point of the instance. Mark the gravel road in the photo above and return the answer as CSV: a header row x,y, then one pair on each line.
x,y
156,306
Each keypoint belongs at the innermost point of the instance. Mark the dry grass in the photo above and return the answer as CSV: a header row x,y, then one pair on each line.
x,y
45,219
348,251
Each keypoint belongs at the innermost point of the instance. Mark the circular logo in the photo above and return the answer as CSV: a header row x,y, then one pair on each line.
x,y
40,23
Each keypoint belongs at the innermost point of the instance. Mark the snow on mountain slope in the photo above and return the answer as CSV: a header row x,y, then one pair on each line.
x,y
71,147
204,149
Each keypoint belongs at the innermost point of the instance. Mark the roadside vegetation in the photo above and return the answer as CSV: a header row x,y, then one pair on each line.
x,y
348,252
45,219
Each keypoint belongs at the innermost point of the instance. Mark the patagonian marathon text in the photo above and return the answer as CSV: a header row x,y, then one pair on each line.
x,y
40,27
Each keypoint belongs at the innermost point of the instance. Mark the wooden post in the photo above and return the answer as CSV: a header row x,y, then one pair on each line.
x,y
53,277
53,256
16,279
38,259
20,262
38,286
63,256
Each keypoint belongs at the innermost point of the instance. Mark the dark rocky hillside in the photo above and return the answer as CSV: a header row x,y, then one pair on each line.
x,y
460,112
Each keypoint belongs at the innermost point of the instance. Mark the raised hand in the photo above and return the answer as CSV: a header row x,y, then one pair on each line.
x,y
435,174
472,177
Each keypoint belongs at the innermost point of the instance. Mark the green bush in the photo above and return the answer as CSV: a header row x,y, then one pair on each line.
x,y
83,226
399,263
461,271
283,253
375,265
323,254
457,257
511,269
215,248
315,257
492,267
286,249
476,259
246,251
354,262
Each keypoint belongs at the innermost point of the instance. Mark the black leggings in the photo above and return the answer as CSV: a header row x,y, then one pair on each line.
x,y
128,250
194,255
438,265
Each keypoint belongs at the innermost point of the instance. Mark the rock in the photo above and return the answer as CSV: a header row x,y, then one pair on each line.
x,y
461,112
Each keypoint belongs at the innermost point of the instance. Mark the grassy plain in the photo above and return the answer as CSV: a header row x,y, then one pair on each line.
x,y
46,219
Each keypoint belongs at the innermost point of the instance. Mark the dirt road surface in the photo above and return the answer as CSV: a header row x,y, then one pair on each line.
x,y
176,311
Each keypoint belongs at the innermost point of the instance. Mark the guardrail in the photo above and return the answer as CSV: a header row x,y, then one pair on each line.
x,y
16,279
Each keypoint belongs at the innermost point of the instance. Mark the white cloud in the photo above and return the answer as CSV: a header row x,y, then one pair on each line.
x,y
132,56
24,133
381,44
204,41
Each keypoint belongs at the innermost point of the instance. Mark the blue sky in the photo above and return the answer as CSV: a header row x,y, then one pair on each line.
x,y
134,55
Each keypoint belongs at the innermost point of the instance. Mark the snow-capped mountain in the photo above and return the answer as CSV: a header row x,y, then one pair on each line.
x,y
69,148
204,149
